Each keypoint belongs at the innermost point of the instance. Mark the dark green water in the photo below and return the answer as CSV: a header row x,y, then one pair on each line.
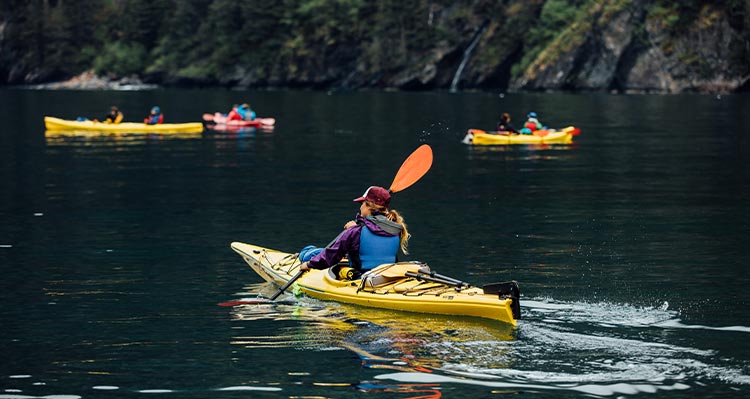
x,y
630,247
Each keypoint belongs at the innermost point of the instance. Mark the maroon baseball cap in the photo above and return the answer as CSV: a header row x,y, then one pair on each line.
x,y
376,195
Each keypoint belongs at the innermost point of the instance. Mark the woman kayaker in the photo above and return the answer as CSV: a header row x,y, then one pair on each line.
x,y
155,117
372,239
504,126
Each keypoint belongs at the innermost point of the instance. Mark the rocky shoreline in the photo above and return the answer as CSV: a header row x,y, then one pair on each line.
x,y
89,80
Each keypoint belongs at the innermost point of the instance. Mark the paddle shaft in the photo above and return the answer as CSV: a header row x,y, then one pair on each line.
x,y
287,285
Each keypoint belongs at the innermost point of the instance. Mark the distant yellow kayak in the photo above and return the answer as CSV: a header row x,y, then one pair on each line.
x,y
406,286
53,124
481,137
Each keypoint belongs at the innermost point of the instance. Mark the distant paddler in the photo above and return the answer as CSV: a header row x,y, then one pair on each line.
x,y
114,116
155,117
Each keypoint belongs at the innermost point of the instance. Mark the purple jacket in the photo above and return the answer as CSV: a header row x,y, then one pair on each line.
x,y
348,241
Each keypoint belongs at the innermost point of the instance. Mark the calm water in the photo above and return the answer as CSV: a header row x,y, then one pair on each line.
x,y
630,247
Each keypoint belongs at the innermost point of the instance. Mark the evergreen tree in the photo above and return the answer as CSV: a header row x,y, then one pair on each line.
x,y
177,49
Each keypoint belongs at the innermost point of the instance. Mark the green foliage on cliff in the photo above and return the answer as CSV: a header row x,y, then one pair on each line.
x,y
555,17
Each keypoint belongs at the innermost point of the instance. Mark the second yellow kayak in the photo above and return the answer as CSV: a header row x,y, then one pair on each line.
x,y
481,137
53,124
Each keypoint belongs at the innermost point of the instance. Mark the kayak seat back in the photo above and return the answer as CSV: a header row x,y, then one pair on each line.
x,y
390,273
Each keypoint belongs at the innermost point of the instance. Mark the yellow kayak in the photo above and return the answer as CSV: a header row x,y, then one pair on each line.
x,y
405,286
53,124
481,137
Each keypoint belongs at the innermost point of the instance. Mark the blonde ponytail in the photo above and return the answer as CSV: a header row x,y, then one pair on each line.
x,y
404,237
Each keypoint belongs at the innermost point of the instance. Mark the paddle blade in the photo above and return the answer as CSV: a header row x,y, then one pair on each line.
x,y
476,131
418,163
247,301
572,130
541,133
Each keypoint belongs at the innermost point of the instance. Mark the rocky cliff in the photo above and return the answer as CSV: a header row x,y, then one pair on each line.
x,y
626,48
570,45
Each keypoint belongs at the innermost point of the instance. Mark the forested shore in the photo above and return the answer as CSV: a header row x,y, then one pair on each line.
x,y
654,46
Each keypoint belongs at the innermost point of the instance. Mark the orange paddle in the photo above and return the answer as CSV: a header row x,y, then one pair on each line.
x,y
413,168
574,131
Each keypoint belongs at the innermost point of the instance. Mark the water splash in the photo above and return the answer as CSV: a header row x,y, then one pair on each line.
x,y
613,315
600,349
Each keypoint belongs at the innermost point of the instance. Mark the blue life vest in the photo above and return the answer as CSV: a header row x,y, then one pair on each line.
x,y
374,250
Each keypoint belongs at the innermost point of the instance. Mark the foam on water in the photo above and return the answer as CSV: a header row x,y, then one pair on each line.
x,y
602,313
155,391
250,388
619,348
592,389
678,324
39,397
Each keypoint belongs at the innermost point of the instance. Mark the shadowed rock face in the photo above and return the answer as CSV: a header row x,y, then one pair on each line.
x,y
629,51
622,46
697,59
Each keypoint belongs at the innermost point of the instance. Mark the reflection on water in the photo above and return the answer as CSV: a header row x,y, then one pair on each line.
x,y
381,339
527,149
620,349
57,136
117,142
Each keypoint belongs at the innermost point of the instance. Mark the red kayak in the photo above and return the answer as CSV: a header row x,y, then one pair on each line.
x,y
220,119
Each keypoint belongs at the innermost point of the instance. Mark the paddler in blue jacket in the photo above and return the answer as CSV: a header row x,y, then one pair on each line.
x,y
245,112
155,117
372,239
